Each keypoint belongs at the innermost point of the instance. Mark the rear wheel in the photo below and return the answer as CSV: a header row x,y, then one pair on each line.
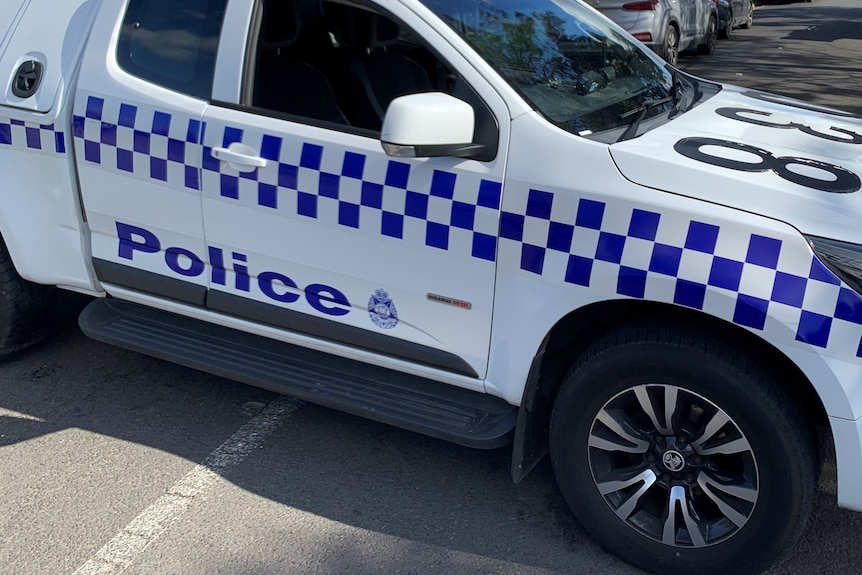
x,y
711,38
670,50
681,455
24,308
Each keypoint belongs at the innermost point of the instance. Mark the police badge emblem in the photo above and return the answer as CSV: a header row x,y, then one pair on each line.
x,y
382,310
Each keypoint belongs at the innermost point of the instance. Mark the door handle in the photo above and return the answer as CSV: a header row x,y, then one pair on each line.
x,y
239,157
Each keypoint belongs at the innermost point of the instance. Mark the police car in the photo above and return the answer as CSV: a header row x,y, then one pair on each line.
x,y
492,222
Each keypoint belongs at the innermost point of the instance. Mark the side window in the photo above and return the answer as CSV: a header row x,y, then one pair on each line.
x,y
351,62
172,43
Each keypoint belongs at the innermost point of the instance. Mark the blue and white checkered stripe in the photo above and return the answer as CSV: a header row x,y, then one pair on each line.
x,y
608,248
639,253
403,200
393,199
32,136
139,140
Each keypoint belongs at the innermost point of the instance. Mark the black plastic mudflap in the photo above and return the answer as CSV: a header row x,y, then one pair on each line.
x,y
422,405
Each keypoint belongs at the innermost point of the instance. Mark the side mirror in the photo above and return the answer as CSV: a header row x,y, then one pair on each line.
x,y
429,124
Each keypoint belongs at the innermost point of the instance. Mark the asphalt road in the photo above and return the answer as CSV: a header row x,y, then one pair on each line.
x,y
99,447
810,51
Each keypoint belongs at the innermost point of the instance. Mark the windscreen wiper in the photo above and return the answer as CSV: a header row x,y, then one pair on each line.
x,y
639,113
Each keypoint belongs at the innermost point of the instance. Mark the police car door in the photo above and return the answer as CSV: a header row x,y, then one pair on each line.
x,y
137,124
312,227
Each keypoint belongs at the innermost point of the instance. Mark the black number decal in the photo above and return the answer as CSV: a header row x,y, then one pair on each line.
x,y
690,148
845,181
772,98
735,114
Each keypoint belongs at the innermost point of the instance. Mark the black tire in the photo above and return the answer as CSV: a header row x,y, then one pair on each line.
x,y
749,20
670,49
727,31
711,38
621,489
25,308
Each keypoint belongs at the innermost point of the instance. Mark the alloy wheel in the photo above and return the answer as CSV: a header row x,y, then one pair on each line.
x,y
671,46
673,466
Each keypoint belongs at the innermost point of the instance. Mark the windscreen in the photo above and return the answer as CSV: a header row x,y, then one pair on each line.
x,y
571,64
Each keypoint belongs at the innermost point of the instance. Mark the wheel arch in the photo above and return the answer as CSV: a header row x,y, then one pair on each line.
x,y
675,24
574,333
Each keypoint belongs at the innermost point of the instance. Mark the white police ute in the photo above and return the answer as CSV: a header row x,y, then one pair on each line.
x,y
524,226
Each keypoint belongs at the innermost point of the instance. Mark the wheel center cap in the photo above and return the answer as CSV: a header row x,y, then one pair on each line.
x,y
673,460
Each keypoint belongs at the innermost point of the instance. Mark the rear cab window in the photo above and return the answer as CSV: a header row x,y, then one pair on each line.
x,y
172,43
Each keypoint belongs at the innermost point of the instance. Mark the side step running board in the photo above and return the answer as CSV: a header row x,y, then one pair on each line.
x,y
422,405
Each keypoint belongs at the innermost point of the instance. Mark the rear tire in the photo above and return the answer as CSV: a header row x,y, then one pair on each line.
x,y
24,308
681,454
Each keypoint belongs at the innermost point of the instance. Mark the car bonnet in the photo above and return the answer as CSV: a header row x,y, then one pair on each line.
x,y
758,152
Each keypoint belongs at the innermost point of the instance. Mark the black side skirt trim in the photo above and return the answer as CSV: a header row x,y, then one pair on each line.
x,y
149,282
336,332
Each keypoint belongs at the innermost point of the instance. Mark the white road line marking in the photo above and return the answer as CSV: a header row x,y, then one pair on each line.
x,y
121,551
17,415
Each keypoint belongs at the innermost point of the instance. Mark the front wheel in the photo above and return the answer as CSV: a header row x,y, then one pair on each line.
x,y
711,38
681,455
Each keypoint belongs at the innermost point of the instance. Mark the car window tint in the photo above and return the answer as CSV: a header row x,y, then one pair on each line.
x,y
351,60
575,68
172,43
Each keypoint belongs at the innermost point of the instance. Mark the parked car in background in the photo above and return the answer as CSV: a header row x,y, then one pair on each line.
x,y
733,14
666,26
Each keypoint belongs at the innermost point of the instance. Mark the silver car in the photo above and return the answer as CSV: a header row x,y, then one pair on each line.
x,y
666,26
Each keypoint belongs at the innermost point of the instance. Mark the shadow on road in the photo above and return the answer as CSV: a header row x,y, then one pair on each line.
x,y
829,31
436,501
801,55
